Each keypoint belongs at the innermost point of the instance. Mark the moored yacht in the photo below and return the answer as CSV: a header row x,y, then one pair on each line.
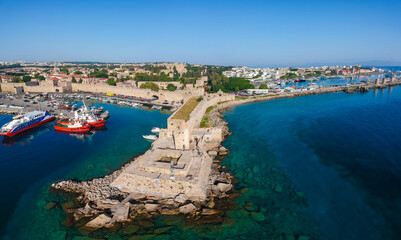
x,y
150,137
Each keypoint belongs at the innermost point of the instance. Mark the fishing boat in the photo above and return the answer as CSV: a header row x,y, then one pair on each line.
x,y
155,130
73,127
22,123
150,137
84,115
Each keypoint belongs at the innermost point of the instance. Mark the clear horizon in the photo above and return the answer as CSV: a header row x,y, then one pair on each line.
x,y
252,33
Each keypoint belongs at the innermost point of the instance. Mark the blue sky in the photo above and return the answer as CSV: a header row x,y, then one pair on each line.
x,y
252,33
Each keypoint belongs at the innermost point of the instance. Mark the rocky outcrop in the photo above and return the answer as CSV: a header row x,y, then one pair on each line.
x,y
96,223
188,208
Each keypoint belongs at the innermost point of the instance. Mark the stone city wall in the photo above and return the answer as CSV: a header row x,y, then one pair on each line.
x,y
177,96
11,87
162,85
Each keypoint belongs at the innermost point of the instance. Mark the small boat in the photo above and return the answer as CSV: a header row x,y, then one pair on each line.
x,y
150,137
138,105
18,116
155,130
74,127
157,107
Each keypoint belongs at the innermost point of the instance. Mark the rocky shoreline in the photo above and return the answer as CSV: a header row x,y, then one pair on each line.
x,y
100,206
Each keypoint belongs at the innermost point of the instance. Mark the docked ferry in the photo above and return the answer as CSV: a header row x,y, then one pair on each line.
x,y
24,122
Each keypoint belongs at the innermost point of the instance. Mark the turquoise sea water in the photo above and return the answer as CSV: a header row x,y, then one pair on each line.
x,y
34,161
342,151
323,166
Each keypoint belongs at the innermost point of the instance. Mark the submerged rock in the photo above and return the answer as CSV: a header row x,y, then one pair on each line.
x,y
209,211
258,216
161,230
302,237
210,204
84,238
50,205
278,188
68,207
146,223
142,237
211,219
59,235
250,207
130,229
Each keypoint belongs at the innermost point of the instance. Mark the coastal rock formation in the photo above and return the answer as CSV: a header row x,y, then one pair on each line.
x,y
188,208
98,222
96,197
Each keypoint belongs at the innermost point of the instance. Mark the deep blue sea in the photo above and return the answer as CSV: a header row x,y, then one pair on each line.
x,y
323,166
341,150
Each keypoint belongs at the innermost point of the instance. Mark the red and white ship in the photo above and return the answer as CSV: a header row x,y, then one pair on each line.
x,y
85,115
73,127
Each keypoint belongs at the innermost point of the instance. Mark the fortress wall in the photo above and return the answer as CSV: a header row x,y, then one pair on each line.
x,y
10,87
176,96
196,115
164,187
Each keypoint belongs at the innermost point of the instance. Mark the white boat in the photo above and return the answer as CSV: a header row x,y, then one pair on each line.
x,y
155,130
150,137
157,107
135,105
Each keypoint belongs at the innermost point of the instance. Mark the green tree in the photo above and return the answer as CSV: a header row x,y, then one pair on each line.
x,y
171,87
26,78
111,82
99,74
80,80
73,80
78,72
263,86
64,70
176,75
16,79
150,85
236,84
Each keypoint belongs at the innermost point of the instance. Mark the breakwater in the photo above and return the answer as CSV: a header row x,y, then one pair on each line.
x,y
180,174
111,206
347,89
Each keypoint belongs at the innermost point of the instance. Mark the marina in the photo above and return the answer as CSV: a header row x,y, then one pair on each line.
x,y
183,160
232,120
60,104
